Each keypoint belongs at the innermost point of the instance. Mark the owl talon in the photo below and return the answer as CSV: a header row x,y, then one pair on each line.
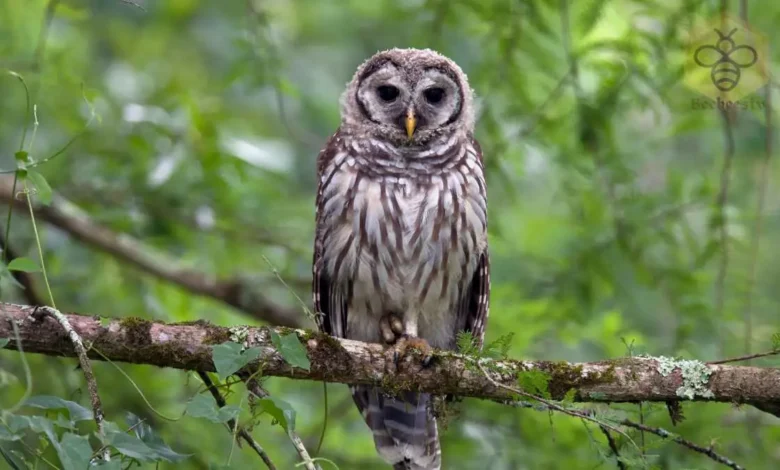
x,y
396,324
391,327
427,359
408,344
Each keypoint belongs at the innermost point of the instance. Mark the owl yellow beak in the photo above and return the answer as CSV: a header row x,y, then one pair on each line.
x,y
411,123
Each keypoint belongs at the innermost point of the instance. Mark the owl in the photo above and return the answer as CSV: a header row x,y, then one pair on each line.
x,y
400,250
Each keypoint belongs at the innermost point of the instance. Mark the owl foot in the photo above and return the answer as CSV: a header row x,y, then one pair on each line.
x,y
408,344
391,327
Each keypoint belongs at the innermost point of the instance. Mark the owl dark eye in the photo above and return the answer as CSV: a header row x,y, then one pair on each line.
x,y
387,92
433,95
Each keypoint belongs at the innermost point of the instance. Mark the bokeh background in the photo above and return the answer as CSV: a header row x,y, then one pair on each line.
x,y
624,219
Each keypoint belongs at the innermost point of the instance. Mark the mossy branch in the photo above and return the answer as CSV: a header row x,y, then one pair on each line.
x,y
189,346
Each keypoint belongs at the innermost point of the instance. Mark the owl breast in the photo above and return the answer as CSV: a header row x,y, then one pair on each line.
x,y
403,235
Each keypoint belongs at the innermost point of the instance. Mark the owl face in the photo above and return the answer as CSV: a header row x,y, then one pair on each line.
x,y
408,96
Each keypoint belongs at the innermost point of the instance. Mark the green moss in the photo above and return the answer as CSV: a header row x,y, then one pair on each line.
x,y
200,322
284,330
132,322
565,376
136,330
327,353
324,338
216,335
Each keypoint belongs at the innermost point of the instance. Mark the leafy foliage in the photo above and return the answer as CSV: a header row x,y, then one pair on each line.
x,y
280,410
291,349
534,382
23,264
76,411
203,406
229,357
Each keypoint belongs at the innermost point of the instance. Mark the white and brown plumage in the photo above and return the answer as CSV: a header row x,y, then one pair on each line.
x,y
401,230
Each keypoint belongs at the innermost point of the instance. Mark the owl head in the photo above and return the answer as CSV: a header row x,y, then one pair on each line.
x,y
408,96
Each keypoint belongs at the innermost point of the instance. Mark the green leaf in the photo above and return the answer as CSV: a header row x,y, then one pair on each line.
x,y
228,412
776,341
465,342
23,264
131,446
47,402
114,464
279,410
74,452
599,396
14,458
37,424
7,435
568,399
534,382
145,432
499,348
202,406
4,342
21,156
63,422
229,358
6,275
291,349
41,185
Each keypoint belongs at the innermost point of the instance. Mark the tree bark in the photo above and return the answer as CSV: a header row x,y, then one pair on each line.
x,y
189,346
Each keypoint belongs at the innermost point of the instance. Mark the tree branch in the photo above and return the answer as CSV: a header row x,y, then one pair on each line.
x,y
238,292
188,346
233,426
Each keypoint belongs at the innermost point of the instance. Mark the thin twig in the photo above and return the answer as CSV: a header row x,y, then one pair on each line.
x,y
43,34
233,425
257,391
762,188
721,202
551,405
660,432
613,447
324,418
746,357
86,366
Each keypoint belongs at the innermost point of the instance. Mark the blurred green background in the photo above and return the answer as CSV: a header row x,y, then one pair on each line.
x,y
621,221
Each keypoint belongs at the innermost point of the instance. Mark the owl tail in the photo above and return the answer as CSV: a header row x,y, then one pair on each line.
x,y
404,428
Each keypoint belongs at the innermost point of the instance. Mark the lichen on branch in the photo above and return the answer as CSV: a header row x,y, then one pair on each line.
x,y
189,346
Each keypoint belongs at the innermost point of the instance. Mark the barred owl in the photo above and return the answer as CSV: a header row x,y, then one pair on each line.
x,y
400,251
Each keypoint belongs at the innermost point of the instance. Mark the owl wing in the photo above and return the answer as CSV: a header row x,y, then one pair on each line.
x,y
330,302
474,309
